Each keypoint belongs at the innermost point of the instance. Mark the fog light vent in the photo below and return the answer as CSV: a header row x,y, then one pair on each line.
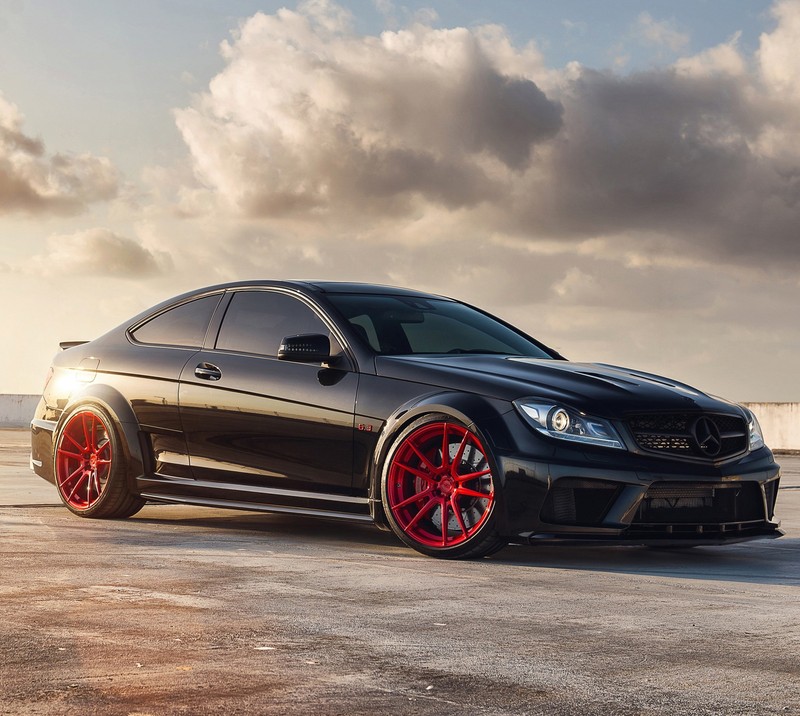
x,y
575,501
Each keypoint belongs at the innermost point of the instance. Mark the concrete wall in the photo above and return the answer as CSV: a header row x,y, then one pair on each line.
x,y
16,411
780,421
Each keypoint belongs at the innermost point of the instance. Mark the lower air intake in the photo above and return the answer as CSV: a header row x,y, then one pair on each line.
x,y
675,509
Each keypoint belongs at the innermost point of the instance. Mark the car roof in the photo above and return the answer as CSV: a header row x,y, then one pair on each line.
x,y
365,288
318,287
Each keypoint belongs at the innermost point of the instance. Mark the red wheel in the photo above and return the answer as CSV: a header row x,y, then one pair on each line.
x,y
83,460
439,493
90,467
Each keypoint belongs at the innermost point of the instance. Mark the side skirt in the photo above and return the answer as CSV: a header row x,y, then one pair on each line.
x,y
254,507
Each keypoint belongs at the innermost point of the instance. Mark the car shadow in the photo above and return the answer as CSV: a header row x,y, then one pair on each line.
x,y
768,561
226,523
758,562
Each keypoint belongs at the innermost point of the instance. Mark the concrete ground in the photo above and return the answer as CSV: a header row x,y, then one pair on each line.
x,y
184,610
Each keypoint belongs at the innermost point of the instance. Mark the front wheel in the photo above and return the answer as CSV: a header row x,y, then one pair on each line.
x,y
438,490
90,466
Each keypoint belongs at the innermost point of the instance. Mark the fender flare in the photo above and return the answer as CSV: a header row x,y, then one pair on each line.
x,y
118,407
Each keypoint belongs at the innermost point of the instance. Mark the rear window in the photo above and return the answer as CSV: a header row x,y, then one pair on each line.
x,y
185,325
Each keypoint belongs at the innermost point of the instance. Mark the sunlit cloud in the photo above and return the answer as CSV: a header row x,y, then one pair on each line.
x,y
311,119
312,125
100,253
35,183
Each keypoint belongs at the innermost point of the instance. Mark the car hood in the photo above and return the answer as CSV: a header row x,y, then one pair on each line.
x,y
603,390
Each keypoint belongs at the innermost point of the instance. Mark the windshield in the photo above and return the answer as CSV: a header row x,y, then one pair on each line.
x,y
402,325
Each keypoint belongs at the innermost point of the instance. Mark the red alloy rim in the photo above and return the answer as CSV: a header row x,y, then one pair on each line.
x,y
440,487
83,460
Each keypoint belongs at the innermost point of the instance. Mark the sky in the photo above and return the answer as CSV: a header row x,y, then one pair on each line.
x,y
619,179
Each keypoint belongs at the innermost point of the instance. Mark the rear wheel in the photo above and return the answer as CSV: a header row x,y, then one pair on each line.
x,y
90,466
439,493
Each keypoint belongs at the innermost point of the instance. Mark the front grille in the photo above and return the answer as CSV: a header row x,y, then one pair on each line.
x,y
677,509
698,436
668,443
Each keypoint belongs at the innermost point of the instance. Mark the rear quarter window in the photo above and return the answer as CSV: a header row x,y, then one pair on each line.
x,y
185,325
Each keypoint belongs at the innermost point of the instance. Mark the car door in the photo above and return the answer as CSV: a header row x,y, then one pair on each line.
x,y
258,422
147,372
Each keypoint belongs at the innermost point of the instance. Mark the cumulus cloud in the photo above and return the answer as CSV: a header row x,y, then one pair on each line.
x,y
725,59
99,252
309,117
35,183
704,154
778,57
310,123
654,151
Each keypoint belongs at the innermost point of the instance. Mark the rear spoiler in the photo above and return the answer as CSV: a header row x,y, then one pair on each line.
x,y
65,345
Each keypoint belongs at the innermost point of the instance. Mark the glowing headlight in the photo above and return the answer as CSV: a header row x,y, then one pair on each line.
x,y
756,437
559,421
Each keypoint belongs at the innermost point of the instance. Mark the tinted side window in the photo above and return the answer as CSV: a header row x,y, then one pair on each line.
x,y
184,325
257,322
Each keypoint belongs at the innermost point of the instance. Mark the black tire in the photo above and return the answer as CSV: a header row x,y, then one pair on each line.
x,y
90,465
442,505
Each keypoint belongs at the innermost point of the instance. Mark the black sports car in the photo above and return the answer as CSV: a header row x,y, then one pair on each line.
x,y
416,412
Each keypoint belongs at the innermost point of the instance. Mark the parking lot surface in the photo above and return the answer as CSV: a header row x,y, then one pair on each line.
x,y
184,610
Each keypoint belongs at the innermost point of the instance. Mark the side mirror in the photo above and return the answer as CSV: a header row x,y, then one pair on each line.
x,y
305,348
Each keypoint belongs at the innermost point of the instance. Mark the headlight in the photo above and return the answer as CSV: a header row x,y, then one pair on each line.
x,y
559,421
756,437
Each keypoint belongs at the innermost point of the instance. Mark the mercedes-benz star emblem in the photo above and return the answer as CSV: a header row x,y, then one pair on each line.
x,y
708,437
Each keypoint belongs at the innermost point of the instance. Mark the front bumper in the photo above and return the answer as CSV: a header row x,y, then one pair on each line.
x,y
610,497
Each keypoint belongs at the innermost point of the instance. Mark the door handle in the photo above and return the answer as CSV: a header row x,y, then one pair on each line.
x,y
208,371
